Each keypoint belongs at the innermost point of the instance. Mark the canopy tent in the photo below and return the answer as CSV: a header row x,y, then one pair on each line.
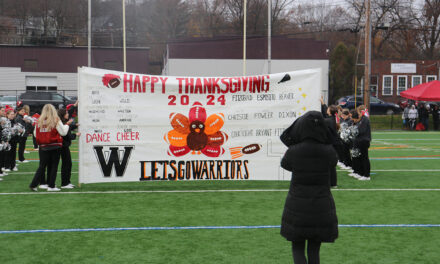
x,y
424,92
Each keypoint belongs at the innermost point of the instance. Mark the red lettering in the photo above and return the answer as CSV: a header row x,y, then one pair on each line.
x,y
245,82
215,86
199,88
153,81
137,84
180,84
101,137
226,83
189,85
164,80
129,82
207,85
145,79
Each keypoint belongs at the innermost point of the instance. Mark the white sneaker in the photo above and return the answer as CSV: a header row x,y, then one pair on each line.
x,y
15,168
1,179
8,170
43,186
54,189
68,186
24,161
1,175
26,152
355,175
35,189
35,148
363,178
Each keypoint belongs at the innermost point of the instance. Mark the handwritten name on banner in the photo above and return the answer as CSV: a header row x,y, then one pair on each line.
x,y
159,128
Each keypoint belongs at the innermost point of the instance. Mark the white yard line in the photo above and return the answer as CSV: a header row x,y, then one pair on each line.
x,y
202,191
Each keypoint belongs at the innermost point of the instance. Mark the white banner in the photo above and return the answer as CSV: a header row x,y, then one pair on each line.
x,y
142,127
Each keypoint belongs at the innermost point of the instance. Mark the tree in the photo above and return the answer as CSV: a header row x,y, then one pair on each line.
x,y
342,70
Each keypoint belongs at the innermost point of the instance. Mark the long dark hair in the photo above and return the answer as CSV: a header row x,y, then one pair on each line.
x,y
61,113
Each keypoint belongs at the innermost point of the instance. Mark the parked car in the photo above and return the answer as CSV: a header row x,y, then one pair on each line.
x,y
10,100
377,106
36,100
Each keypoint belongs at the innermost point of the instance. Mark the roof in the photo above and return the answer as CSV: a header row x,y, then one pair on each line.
x,y
283,48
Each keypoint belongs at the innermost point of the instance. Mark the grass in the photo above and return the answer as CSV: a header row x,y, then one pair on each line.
x,y
375,204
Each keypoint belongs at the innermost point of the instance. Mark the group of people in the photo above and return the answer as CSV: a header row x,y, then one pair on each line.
x,y
416,117
15,127
317,142
53,132
350,134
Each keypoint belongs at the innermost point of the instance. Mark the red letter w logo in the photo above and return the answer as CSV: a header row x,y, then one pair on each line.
x,y
112,158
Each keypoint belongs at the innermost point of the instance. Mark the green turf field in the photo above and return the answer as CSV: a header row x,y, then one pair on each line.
x,y
404,190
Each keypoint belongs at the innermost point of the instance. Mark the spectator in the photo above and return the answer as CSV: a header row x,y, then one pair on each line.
x,y
423,115
361,143
405,118
21,140
435,116
412,116
309,212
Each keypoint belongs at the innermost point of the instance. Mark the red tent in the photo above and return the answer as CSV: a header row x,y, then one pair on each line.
x,y
424,92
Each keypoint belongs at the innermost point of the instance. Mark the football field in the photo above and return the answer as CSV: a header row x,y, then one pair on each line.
x,y
394,218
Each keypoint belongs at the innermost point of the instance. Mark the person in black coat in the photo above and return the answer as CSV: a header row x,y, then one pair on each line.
x,y
361,162
66,158
330,114
309,212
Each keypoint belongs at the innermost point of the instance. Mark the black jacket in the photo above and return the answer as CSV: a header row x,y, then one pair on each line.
x,y
309,211
67,139
363,139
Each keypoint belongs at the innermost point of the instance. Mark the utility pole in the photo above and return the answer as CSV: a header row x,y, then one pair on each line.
x,y
367,55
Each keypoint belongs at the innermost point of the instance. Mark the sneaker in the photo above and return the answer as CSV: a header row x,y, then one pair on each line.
x,y
68,186
73,186
15,168
1,175
54,189
35,189
35,148
24,161
355,175
7,170
43,186
1,179
363,178
26,152
334,187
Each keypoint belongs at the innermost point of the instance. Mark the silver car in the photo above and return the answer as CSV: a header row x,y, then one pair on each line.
x,y
10,100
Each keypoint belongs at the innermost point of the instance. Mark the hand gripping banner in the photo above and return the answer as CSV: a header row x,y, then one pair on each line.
x,y
138,127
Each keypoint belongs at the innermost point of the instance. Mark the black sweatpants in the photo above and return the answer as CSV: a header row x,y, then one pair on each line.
x,y
21,148
11,154
361,164
298,249
48,159
66,166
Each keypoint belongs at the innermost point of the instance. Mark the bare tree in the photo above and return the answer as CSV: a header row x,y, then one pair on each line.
x,y
429,27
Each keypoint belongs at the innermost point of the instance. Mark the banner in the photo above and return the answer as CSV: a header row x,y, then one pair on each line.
x,y
138,127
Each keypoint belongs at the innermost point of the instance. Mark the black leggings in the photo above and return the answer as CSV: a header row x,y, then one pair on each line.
x,y
299,256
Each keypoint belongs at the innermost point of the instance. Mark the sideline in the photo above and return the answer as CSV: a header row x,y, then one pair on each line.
x,y
204,191
192,228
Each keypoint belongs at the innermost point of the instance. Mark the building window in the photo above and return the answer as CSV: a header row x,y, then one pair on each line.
x,y
430,78
401,84
373,85
31,88
30,65
416,80
387,85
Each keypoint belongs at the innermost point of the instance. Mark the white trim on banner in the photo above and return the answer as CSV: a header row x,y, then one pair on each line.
x,y
137,127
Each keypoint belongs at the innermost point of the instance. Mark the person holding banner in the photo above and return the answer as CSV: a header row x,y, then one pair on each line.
x,y
309,212
48,132
66,158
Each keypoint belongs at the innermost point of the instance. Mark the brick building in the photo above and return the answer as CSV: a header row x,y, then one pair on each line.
x,y
390,77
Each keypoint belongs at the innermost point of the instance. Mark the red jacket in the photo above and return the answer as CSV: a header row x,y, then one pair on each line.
x,y
48,138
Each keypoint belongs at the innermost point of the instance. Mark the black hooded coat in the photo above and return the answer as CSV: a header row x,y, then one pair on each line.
x,y
309,211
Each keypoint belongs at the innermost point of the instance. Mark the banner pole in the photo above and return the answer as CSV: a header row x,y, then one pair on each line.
x,y
89,35
124,39
244,38
269,35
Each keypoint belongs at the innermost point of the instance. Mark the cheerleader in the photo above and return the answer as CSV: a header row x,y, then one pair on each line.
x,y
361,143
344,133
12,149
2,142
49,131
23,119
66,158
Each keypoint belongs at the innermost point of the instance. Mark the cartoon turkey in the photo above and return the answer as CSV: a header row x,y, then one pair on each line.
x,y
196,133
